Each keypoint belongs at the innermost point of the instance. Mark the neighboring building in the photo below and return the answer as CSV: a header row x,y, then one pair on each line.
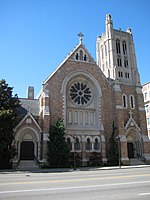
x,y
146,94
89,97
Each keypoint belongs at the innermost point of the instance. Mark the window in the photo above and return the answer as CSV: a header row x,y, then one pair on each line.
x,y
85,57
119,62
77,56
147,108
124,101
132,103
77,144
124,47
102,52
105,51
127,75
96,144
148,121
125,62
120,74
108,73
88,144
80,93
118,46
69,144
145,96
81,55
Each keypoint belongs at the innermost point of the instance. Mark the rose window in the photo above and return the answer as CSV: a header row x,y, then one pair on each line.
x,y
80,93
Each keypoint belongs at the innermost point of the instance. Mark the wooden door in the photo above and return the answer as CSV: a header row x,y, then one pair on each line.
x,y
130,150
27,150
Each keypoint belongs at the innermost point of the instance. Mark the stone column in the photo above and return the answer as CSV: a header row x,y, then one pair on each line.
x,y
146,148
103,149
124,150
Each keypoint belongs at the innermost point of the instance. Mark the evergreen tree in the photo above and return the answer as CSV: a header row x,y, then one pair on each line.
x,y
58,152
8,115
113,157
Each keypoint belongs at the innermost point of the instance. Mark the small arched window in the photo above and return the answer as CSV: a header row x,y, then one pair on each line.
x,y
81,55
124,101
77,144
105,50
102,51
88,145
120,74
125,62
132,102
108,73
96,144
69,144
124,47
119,61
118,46
77,56
85,57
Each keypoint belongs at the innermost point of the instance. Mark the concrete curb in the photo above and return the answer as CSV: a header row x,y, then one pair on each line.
x,y
61,170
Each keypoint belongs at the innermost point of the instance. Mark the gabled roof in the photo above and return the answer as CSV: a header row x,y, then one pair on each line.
x,y
28,119
79,46
28,105
131,123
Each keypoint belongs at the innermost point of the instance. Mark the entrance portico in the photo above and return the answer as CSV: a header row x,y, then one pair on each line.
x,y
27,140
134,143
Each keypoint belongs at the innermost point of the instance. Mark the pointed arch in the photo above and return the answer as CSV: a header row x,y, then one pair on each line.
x,y
25,136
134,142
82,117
118,51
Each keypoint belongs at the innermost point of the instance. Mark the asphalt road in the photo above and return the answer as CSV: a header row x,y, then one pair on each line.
x,y
131,184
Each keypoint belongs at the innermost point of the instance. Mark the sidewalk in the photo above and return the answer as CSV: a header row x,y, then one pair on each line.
x,y
60,170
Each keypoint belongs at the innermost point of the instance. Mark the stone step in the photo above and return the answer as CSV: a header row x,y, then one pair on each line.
x,y
27,164
135,161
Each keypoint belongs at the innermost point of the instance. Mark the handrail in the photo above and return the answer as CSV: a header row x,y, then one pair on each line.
x,y
18,162
142,159
36,160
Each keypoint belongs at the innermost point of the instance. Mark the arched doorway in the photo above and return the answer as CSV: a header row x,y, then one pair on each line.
x,y
27,142
27,147
134,144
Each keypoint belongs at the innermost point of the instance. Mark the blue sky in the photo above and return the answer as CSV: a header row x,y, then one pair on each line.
x,y
36,35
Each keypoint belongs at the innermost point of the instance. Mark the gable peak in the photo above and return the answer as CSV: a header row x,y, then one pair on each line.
x,y
131,122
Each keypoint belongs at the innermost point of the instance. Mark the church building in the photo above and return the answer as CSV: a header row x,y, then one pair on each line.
x,y
90,96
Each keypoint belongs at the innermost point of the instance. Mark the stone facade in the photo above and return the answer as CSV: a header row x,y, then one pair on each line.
x,y
90,97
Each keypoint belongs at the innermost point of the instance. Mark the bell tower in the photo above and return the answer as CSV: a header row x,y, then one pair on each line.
x,y
116,55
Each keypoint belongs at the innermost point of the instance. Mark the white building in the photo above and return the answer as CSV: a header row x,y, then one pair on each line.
x,y
146,94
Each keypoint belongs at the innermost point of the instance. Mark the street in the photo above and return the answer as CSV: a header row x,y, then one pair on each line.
x,y
130,183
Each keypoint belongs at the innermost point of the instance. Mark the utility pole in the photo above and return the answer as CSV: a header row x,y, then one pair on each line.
x,y
74,154
119,149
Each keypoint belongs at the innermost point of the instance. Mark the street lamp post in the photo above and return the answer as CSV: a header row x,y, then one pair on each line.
x,y
74,154
119,149
74,160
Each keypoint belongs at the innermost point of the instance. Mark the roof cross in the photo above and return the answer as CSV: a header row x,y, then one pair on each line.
x,y
80,37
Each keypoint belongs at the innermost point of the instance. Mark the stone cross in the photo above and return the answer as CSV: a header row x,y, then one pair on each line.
x,y
80,37
130,113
